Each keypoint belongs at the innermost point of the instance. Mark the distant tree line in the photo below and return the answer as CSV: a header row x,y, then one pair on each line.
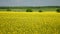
x,y
29,9
37,7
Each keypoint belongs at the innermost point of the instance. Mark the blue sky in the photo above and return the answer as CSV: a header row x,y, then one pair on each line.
x,y
29,2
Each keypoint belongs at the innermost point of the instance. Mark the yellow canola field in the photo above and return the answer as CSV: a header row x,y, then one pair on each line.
x,y
29,23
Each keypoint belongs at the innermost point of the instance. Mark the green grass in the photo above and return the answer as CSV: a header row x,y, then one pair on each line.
x,y
29,23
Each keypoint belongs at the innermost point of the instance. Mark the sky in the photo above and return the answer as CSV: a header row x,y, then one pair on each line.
x,y
29,2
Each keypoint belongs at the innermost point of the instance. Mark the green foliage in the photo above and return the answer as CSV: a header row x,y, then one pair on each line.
x,y
40,10
29,10
58,10
8,9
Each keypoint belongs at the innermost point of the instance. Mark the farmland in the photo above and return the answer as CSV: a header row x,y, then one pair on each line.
x,y
29,23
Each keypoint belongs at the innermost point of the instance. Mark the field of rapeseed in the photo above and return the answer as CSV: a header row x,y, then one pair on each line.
x,y
29,23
